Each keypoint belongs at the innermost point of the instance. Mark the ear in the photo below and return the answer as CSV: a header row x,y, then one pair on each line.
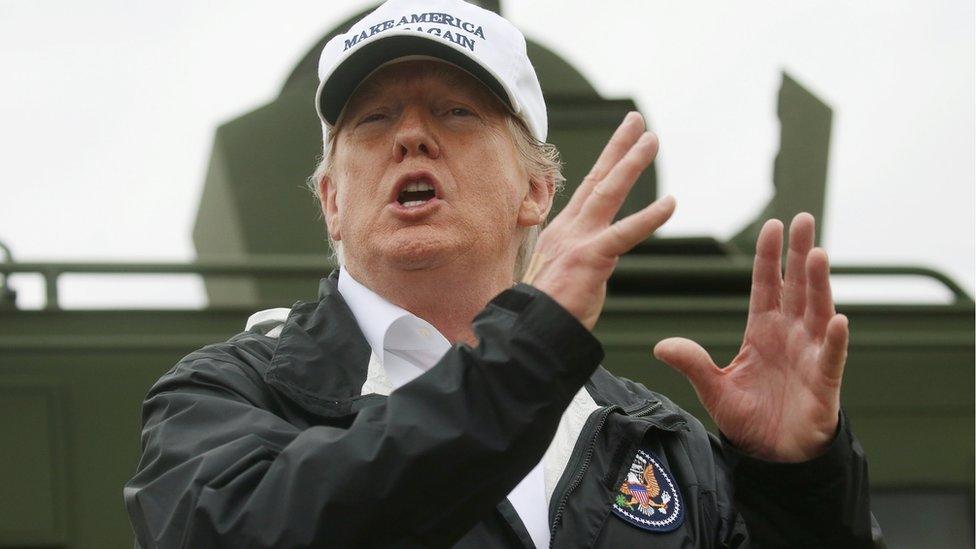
x,y
536,203
330,209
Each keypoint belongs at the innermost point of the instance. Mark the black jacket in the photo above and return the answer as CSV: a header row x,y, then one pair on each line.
x,y
268,442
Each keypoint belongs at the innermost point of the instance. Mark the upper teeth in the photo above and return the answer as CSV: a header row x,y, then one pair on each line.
x,y
419,186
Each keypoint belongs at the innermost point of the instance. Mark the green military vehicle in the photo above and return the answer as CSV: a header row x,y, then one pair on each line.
x,y
72,381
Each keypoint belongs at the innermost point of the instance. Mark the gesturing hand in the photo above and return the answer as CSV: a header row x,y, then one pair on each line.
x,y
577,252
779,398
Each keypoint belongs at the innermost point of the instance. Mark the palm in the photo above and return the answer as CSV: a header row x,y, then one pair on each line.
x,y
779,397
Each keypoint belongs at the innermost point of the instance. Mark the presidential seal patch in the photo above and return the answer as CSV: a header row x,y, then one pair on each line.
x,y
649,498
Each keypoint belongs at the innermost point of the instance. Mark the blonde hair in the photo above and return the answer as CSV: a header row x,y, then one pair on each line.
x,y
540,160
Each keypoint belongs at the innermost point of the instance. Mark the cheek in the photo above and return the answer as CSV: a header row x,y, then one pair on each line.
x,y
495,193
501,174
353,195
351,208
355,165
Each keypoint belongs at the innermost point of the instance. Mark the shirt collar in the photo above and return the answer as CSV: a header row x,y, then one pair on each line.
x,y
374,314
387,326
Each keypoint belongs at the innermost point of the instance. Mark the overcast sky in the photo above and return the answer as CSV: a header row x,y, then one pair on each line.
x,y
109,109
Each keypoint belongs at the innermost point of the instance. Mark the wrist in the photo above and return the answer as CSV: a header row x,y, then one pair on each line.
x,y
835,450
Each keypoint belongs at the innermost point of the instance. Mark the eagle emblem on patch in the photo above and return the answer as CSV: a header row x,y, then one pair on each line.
x,y
649,497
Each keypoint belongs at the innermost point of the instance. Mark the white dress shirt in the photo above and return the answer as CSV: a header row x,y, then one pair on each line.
x,y
407,346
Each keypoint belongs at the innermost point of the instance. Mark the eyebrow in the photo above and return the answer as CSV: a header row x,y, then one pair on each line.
x,y
362,95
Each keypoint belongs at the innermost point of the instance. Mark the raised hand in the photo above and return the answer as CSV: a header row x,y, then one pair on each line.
x,y
779,398
577,252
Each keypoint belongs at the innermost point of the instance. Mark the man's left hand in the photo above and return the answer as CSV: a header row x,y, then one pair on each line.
x,y
779,398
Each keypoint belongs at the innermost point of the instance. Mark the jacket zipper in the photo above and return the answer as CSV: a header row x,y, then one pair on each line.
x,y
646,409
588,456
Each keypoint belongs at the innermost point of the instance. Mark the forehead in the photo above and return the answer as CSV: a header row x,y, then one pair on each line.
x,y
396,78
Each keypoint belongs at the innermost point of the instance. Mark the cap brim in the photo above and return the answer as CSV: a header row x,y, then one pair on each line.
x,y
335,90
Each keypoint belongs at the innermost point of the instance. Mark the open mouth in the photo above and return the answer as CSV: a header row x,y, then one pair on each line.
x,y
416,193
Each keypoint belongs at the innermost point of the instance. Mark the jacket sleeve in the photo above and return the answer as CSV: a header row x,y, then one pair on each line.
x,y
422,468
824,502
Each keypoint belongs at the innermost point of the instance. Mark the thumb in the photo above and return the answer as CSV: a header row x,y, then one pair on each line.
x,y
689,358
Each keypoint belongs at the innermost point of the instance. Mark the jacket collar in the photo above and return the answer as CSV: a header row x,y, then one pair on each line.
x,y
321,358
322,361
607,389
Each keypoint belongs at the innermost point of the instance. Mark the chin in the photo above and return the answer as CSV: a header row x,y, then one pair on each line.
x,y
418,254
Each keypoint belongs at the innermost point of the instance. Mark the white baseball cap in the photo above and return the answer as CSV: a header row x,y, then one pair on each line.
x,y
474,39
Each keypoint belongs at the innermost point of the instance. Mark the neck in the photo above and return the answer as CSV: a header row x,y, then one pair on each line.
x,y
449,298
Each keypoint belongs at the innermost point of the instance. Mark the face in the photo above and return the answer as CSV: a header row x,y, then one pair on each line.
x,y
425,174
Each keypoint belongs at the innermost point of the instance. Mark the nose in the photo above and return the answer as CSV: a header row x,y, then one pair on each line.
x,y
413,136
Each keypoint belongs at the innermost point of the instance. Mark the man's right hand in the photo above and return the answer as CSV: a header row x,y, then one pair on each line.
x,y
578,251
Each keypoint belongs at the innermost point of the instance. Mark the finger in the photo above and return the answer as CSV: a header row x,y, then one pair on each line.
x,y
834,354
795,281
693,362
820,302
767,282
627,133
619,238
623,138
608,194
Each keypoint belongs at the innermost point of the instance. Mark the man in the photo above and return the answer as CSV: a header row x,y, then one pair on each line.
x,y
384,415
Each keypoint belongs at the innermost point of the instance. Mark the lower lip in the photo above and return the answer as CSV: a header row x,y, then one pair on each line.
x,y
419,211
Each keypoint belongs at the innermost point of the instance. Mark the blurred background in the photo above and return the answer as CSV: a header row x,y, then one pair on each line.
x,y
110,107
152,196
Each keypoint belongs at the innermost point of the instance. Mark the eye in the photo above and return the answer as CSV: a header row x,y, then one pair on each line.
x,y
376,116
460,111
